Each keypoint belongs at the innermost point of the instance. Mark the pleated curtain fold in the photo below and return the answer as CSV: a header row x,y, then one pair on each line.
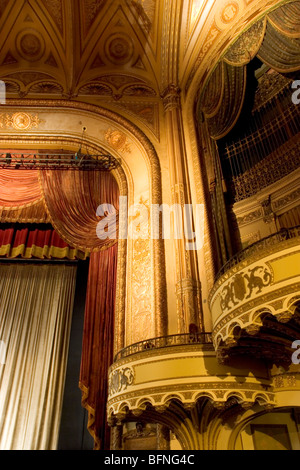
x,y
290,218
276,43
97,346
36,306
72,199
19,188
281,46
223,99
31,241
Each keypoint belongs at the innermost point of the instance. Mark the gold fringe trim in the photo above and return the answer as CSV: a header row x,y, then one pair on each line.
x,y
91,415
42,252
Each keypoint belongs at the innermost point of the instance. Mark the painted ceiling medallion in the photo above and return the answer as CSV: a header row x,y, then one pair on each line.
x,y
30,45
119,48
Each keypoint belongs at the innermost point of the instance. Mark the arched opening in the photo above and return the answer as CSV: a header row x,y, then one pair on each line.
x,y
58,291
248,126
276,430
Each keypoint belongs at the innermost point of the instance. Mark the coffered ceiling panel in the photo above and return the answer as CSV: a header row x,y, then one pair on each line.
x,y
115,55
116,48
69,47
32,48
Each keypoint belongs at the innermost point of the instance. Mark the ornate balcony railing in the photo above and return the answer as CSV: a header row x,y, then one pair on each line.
x,y
149,382
164,342
257,247
272,168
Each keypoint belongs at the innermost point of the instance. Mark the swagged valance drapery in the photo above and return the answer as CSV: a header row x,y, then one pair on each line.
x,y
68,200
275,40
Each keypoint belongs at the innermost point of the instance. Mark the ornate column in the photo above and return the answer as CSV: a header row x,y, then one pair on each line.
x,y
116,438
162,438
188,289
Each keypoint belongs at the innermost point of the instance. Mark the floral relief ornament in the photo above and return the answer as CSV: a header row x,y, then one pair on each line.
x,y
242,286
118,140
229,12
19,121
120,379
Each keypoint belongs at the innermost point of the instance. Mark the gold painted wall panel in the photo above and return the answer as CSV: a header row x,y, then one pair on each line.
x,y
286,267
195,366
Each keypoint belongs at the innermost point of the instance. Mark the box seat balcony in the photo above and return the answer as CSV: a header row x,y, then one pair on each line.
x,y
255,300
146,378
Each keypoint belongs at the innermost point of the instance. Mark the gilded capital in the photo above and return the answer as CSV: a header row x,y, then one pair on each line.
x,y
171,97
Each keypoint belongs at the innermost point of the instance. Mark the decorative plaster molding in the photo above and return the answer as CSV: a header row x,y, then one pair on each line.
x,y
19,121
186,388
171,97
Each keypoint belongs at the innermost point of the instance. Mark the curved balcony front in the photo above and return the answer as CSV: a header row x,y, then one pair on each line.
x,y
148,376
255,300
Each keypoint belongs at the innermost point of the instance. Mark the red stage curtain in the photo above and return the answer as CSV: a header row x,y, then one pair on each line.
x,y
72,199
30,242
97,348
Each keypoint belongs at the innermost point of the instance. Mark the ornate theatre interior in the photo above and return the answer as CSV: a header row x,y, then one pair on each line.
x,y
150,225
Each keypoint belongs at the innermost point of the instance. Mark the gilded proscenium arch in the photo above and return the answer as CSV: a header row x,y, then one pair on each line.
x,y
122,248
155,191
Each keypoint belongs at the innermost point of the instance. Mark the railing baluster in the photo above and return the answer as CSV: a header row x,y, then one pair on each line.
x,y
164,341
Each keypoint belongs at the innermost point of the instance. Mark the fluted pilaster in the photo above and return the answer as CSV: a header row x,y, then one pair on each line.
x,y
188,288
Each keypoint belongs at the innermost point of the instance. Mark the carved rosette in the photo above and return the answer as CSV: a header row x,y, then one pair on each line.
x,y
30,45
119,48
